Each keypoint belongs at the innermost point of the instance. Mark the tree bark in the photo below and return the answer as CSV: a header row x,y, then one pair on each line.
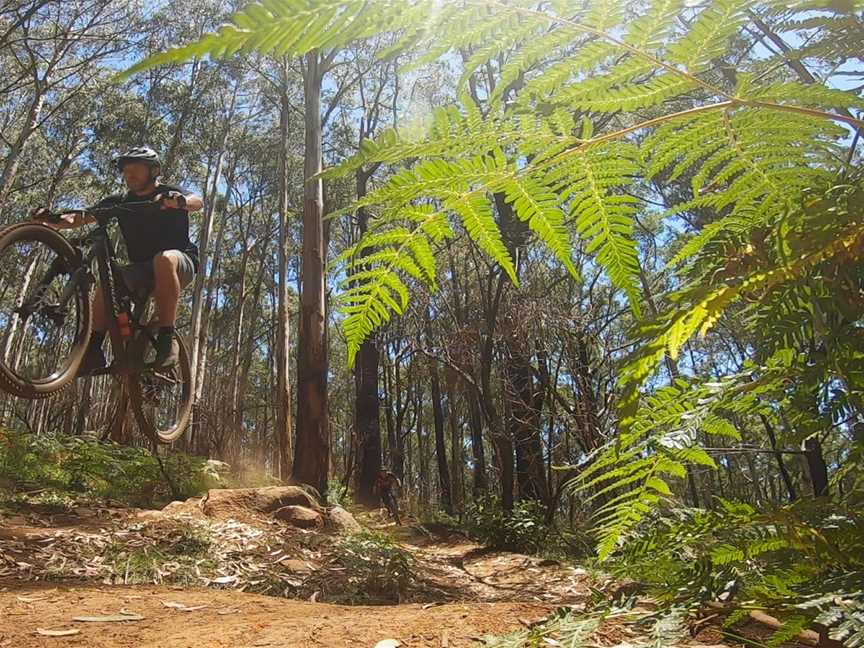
x,y
367,424
778,456
204,246
816,467
475,420
283,334
456,440
444,486
312,447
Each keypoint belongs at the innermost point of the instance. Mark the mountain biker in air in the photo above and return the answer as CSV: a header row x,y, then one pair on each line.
x,y
162,258
386,485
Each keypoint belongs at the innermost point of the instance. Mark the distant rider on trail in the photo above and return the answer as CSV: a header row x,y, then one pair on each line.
x,y
386,485
162,258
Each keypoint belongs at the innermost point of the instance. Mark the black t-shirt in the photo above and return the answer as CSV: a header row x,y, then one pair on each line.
x,y
149,230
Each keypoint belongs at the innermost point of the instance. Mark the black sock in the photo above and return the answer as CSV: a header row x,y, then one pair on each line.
x,y
166,330
97,338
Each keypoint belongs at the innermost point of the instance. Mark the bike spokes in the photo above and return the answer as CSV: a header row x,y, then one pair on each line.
x,y
41,311
164,395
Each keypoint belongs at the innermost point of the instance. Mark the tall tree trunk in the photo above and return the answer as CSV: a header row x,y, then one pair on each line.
x,y
204,246
367,425
475,421
389,417
523,426
456,440
234,405
312,448
182,119
422,454
438,420
778,456
816,467
208,295
283,335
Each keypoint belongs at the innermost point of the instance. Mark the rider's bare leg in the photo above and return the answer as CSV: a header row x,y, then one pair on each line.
x,y
166,291
166,294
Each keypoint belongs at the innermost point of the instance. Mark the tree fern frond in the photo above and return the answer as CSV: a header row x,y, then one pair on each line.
x,y
374,287
630,97
558,75
805,94
528,55
707,308
650,30
475,211
500,33
604,219
654,449
754,163
537,206
281,27
708,36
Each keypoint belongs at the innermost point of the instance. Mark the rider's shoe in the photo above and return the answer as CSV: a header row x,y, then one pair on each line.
x,y
167,350
94,358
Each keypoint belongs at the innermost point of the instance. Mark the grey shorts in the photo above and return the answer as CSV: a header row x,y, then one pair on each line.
x,y
139,276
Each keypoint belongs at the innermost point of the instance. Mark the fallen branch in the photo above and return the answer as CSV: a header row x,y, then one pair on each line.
x,y
810,637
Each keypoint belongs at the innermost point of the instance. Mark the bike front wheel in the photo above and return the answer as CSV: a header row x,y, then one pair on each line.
x,y
44,311
161,398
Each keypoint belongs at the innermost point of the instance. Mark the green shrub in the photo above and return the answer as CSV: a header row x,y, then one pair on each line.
x,y
377,569
803,561
89,468
338,495
522,530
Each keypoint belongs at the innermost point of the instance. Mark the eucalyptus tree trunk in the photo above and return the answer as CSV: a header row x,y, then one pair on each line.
x,y
283,334
367,425
312,447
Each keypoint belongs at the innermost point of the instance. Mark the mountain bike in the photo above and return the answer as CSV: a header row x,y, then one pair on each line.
x,y
392,506
45,323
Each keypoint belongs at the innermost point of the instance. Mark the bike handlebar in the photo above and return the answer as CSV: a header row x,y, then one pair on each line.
x,y
102,214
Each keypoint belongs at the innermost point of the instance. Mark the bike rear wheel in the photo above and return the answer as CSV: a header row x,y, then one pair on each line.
x,y
161,398
44,311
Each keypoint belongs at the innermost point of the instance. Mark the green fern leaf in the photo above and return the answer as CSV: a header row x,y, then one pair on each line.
x,y
708,37
538,206
476,213
603,219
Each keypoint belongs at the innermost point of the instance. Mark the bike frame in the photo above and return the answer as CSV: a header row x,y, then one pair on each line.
x,y
96,244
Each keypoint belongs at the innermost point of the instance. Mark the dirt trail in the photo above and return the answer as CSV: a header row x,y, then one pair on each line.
x,y
461,591
237,620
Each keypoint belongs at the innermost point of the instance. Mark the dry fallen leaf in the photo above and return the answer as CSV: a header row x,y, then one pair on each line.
x,y
109,618
182,607
57,633
222,580
31,599
223,612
